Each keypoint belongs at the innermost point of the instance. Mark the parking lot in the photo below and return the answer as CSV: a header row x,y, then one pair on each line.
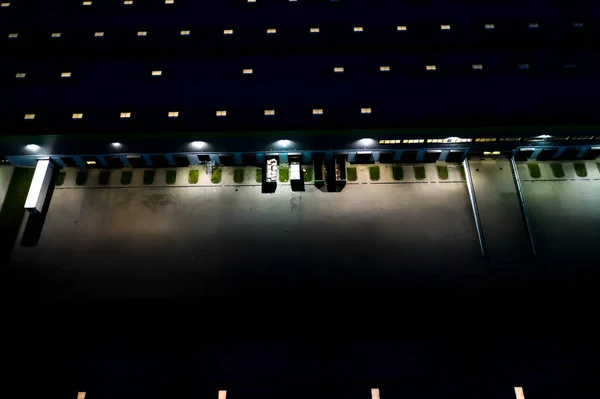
x,y
181,241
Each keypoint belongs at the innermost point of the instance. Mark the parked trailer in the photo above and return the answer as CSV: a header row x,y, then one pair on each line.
x,y
295,171
272,170
42,177
319,168
340,170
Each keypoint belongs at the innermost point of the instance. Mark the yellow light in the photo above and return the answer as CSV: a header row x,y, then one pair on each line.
x,y
384,68
174,114
358,29
5,5
317,111
125,115
77,116
20,75
248,71
185,33
169,1
65,75
430,67
477,67
365,110
89,163
269,112
99,34
519,393
142,33
401,27
29,116
445,27
338,69
128,2
271,31
222,113
228,32
57,34
156,73
489,26
87,3
314,30
13,35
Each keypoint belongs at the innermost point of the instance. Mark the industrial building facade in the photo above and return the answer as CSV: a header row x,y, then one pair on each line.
x,y
155,82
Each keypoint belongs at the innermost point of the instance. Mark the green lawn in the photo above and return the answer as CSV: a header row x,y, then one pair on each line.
x,y
420,172
351,174
217,174
580,169
11,214
238,175
259,175
60,179
171,176
557,170
193,176
374,173
284,175
442,172
308,173
148,177
534,170
398,172
126,177
103,178
81,178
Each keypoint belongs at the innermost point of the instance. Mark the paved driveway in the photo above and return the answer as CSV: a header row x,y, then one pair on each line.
x,y
190,241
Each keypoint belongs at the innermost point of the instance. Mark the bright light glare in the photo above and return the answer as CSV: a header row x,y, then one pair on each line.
x,y
365,142
198,144
519,393
32,147
544,136
116,145
283,142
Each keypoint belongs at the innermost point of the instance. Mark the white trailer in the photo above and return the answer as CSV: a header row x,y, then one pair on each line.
x,y
272,170
42,177
295,172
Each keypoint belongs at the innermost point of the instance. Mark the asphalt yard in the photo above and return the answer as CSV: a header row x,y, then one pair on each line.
x,y
225,240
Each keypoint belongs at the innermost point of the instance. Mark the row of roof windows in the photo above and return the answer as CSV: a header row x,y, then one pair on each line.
x,y
336,70
273,31
218,113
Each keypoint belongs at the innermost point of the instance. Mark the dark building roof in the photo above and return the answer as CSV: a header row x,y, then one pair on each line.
x,y
497,63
